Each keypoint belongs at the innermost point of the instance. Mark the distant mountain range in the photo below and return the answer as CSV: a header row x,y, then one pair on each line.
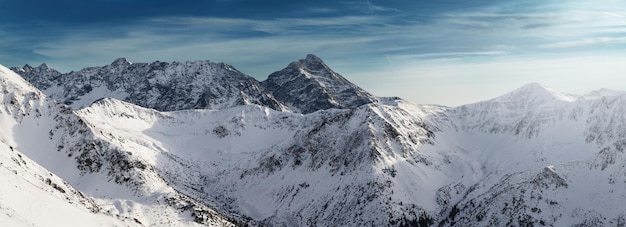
x,y
304,86
200,143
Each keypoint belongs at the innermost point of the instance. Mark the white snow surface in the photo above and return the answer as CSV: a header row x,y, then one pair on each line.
x,y
53,167
32,196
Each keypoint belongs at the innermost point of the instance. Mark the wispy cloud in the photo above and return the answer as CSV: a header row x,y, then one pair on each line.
x,y
586,42
451,55
368,6
273,26
257,56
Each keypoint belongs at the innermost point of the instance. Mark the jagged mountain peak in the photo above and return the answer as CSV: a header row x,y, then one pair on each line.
x,y
312,57
309,85
45,66
42,76
121,61
27,67
11,82
312,61
313,68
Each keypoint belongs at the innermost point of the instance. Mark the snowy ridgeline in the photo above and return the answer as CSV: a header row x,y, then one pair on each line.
x,y
533,156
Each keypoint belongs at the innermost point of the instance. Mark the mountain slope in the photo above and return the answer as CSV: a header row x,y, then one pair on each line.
x,y
522,111
94,174
30,195
554,162
278,167
367,164
309,85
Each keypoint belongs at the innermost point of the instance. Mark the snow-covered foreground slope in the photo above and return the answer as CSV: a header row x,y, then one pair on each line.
x,y
30,195
334,167
33,196
99,184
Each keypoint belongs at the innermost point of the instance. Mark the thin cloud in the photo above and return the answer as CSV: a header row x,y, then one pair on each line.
x,y
452,54
585,42
368,6
317,10
448,36
275,26
377,8
258,56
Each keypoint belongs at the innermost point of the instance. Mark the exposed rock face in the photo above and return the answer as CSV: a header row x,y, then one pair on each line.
x,y
308,85
159,85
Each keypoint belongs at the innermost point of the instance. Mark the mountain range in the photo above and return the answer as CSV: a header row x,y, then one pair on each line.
x,y
200,143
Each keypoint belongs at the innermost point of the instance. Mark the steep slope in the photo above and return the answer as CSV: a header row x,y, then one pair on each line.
x,y
29,194
95,176
544,158
158,85
42,76
308,85
335,167
33,196
522,111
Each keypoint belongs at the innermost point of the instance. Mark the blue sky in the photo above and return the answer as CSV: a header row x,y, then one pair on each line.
x,y
446,52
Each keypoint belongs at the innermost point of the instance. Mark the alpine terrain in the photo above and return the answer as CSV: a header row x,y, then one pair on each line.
x,y
202,144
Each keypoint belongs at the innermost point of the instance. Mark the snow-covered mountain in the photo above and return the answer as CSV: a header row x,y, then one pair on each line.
x,y
309,85
56,165
284,168
543,157
324,153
